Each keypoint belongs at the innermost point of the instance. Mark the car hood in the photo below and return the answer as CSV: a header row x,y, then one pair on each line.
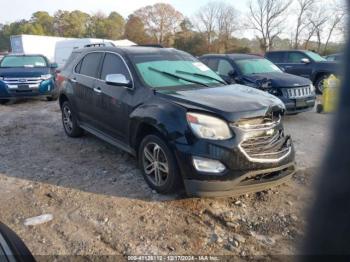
x,y
231,102
23,72
277,79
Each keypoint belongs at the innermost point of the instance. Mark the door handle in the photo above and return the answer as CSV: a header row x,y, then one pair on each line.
x,y
73,80
98,90
288,67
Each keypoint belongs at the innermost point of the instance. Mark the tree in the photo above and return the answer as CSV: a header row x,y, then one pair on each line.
x,y
135,31
189,40
206,21
304,9
101,26
71,24
160,20
266,17
43,20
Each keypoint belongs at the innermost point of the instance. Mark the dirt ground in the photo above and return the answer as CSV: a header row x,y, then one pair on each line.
x,y
102,206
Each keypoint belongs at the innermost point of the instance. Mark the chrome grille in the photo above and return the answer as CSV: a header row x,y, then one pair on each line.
x,y
32,82
263,139
298,92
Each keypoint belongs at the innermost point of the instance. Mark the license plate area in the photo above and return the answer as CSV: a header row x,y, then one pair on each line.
x,y
301,103
23,87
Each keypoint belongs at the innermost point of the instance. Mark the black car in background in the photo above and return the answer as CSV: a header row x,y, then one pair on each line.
x,y
306,64
23,76
180,119
297,93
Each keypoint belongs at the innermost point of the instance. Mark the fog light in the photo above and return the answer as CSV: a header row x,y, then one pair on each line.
x,y
208,165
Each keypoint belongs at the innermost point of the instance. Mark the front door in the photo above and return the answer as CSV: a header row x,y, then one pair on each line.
x,y
113,102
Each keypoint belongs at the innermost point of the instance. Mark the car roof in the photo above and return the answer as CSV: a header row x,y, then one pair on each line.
x,y
129,49
235,56
23,54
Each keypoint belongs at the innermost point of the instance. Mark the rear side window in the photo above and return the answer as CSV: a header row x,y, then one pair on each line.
x,y
90,65
224,67
113,64
275,57
212,63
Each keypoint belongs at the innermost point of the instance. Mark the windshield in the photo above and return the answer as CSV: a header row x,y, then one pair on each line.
x,y
23,61
168,70
256,66
315,57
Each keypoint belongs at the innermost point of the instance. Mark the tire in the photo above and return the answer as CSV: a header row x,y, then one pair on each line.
x,y
165,160
319,108
319,83
69,121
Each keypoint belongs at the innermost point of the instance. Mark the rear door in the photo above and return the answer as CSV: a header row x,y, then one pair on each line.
x,y
85,76
113,103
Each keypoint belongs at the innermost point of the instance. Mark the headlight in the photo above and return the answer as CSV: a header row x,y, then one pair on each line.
x,y
312,88
46,77
208,127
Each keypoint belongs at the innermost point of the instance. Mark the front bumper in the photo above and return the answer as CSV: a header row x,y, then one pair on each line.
x,y
44,88
242,174
294,106
252,181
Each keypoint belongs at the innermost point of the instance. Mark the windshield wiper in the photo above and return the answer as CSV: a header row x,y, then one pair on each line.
x,y
176,76
201,75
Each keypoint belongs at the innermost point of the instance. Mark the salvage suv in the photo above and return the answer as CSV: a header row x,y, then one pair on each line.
x,y
184,124
23,76
297,93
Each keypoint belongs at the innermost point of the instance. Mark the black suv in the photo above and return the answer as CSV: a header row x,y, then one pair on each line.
x,y
179,118
297,93
306,64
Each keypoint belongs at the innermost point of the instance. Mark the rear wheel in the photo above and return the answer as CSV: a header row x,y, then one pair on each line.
x,y
158,165
319,84
69,120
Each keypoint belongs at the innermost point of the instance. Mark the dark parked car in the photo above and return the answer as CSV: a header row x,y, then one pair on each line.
x,y
179,118
306,64
23,76
297,93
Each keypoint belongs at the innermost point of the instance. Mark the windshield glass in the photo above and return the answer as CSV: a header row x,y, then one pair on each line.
x,y
315,57
257,66
23,61
167,70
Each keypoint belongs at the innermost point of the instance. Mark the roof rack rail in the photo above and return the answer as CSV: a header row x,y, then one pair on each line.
x,y
152,45
99,44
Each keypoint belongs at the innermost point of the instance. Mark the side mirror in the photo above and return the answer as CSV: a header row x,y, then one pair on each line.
x,y
53,65
12,247
118,80
305,60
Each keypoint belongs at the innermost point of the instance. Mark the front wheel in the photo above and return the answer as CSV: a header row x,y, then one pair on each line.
x,y
319,84
69,120
158,165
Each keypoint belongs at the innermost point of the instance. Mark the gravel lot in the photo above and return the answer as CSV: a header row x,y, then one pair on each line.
x,y
102,206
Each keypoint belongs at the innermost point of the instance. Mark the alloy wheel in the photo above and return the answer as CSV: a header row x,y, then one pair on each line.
x,y
155,164
67,119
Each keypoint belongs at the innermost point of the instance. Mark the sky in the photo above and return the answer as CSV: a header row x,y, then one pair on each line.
x,y
22,9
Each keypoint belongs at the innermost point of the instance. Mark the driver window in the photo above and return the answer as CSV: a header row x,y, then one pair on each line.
x,y
224,67
113,64
295,57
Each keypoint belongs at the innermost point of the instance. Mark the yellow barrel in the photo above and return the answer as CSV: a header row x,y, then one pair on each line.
x,y
330,94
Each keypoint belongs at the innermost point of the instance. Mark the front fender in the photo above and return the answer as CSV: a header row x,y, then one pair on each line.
x,y
167,118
